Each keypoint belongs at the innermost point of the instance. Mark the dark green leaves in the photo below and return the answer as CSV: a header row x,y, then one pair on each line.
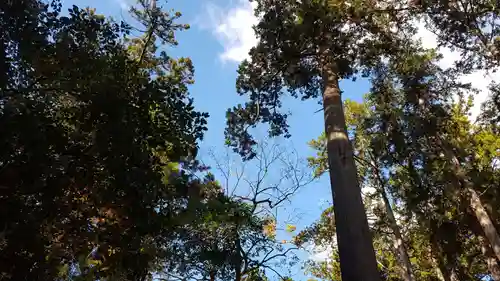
x,y
295,40
90,142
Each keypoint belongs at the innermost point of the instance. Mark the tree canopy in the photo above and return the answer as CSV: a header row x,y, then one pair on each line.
x,y
101,176
401,134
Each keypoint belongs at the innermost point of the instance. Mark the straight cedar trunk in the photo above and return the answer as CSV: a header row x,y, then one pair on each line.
x,y
212,275
488,254
237,268
238,275
445,235
357,257
475,204
484,220
399,246
402,253
436,267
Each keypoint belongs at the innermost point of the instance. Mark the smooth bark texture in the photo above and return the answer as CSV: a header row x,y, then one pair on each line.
x,y
435,263
357,256
475,204
238,275
238,269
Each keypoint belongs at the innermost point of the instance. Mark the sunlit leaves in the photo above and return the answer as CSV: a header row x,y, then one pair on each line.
x,y
290,228
269,228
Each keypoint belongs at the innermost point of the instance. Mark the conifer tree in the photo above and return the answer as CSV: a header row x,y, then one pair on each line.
x,y
305,48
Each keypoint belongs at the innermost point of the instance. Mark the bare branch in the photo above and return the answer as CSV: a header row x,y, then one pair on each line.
x,y
283,254
266,182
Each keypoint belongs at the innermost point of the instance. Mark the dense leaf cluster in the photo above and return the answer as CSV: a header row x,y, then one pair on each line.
x,y
100,177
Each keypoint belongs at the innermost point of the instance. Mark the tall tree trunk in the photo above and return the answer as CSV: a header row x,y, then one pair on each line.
x,y
475,203
447,233
238,266
489,255
491,261
437,267
484,220
238,274
442,269
357,257
399,245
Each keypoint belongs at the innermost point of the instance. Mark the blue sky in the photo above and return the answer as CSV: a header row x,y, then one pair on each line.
x,y
219,38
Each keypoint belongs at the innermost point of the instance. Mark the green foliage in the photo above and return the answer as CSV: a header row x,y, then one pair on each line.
x,y
355,114
414,109
288,60
99,177
470,27
87,136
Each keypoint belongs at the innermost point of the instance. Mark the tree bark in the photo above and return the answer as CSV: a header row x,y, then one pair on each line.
x,y
238,274
212,275
442,269
357,256
475,204
437,267
484,220
491,261
489,255
399,245
237,268
450,245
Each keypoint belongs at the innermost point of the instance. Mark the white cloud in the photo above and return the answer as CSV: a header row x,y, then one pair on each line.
x,y
233,28
321,253
478,79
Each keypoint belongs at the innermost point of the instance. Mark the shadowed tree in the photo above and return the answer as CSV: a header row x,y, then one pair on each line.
x,y
399,132
91,140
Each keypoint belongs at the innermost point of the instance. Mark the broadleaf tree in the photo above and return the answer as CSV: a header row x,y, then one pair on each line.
x,y
91,145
